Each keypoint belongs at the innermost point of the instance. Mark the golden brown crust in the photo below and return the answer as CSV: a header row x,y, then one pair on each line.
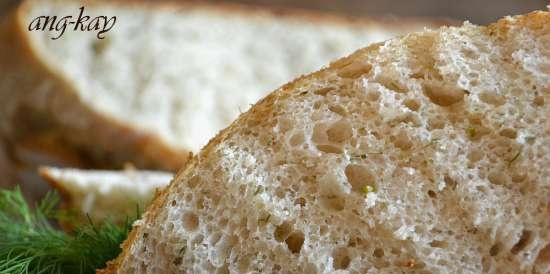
x,y
534,20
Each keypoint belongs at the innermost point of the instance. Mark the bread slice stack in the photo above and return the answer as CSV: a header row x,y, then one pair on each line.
x,y
166,77
427,153
102,195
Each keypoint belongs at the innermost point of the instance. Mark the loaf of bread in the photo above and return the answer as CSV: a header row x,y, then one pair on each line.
x,y
164,79
423,154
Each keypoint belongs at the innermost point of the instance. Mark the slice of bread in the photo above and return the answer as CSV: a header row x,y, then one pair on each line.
x,y
166,77
423,154
104,194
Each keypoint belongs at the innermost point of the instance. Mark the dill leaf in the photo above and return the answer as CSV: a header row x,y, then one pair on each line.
x,y
30,244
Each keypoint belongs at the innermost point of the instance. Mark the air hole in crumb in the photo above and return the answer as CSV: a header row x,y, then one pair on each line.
x,y
190,221
495,249
359,177
412,104
443,95
509,133
470,54
432,194
439,244
475,155
194,181
329,149
333,202
498,177
295,241
339,110
339,132
341,258
354,70
297,139
323,91
282,231
285,124
523,241
492,98
373,95
436,123
391,84
319,135
538,101
378,252
544,255
402,141
519,176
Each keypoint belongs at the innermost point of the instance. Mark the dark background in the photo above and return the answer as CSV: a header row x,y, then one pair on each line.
x,y
476,11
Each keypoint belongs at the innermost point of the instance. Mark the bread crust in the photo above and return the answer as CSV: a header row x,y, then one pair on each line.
x,y
531,20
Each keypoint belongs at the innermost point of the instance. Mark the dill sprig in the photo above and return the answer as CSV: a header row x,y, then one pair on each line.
x,y
30,244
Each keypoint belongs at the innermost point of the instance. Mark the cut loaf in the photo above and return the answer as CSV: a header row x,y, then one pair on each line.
x,y
100,194
428,153
164,80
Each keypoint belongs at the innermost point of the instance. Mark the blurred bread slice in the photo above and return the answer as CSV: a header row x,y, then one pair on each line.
x,y
165,79
428,153
104,194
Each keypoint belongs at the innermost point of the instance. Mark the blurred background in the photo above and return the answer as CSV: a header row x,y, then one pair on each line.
x,y
475,11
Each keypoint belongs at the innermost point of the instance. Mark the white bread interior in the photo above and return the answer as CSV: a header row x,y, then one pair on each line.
x,y
423,154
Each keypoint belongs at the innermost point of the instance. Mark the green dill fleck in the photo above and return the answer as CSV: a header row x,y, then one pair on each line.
x,y
368,189
183,250
266,219
359,156
431,143
177,261
515,157
30,244
471,132
259,190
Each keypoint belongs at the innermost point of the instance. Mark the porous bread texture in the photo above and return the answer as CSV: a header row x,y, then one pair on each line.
x,y
450,130
166,77
102,194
